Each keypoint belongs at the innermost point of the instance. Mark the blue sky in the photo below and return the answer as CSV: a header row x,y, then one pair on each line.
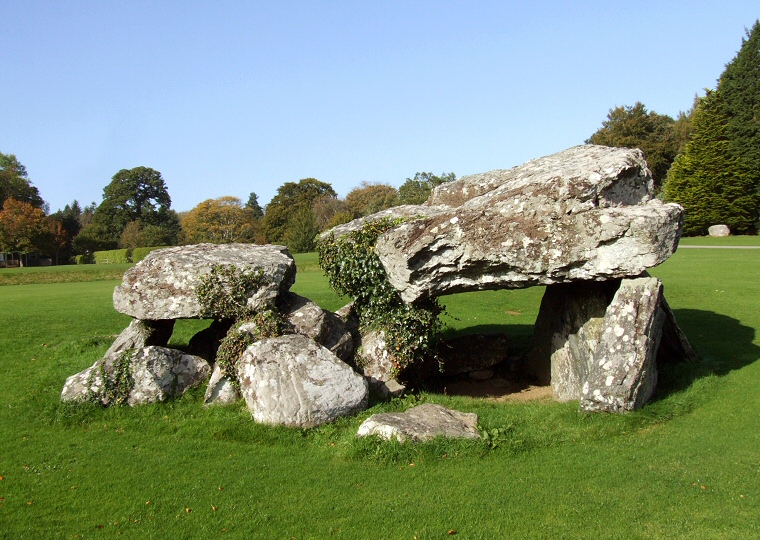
x,y
228,98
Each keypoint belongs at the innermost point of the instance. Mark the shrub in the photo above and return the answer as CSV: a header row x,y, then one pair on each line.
x,y
113,256
140,253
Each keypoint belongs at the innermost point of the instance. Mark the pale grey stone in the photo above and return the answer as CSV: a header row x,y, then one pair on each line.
x,y
157,373
220,390
141,334
408,211
421,423
565,335
163,285
570,181
324,327
293,381
719,230
376,363
623,373
674,346
462,251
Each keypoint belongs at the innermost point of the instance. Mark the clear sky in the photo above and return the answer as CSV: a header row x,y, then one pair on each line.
x,y
228,98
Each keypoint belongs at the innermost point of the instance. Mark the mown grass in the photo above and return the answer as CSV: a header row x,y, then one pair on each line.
x,y
683,467
722,241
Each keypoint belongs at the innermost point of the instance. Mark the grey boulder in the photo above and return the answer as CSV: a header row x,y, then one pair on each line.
x,y
293,381
220,390
421,423
163,285
324,327
375,361
151,374
719,230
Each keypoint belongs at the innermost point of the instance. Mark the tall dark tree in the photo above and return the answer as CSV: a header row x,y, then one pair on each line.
x,y
15,183
717,179
635,127
137,194
290,199
416,190
253,205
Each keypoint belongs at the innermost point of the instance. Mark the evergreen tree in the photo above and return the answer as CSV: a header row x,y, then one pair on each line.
x,y
717,179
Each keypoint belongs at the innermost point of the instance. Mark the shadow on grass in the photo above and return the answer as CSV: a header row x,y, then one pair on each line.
x,y
722,344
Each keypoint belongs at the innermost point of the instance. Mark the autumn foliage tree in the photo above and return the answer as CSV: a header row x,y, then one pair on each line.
x,y
220,221
23,227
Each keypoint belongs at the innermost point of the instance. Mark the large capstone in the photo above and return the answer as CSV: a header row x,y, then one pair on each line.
x,y
462,251
292,380
137,376
164,284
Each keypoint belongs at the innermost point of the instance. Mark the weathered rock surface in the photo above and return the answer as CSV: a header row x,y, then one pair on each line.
x,y
674,347
565,336
462,251
623,373
163,285
376,364
403,211
324,327
141,334
220,390
719,230
293,381
474,352
421,423
155,374
570,181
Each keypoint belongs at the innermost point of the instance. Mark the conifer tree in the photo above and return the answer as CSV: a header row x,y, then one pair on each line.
x,y
717,178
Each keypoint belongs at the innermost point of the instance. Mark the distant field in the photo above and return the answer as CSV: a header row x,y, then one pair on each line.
x,y
685,466
725,241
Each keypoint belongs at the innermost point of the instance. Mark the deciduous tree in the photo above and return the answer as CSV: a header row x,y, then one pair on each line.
x,y
220,221
290,199
15,183
23,227
369,198
417,190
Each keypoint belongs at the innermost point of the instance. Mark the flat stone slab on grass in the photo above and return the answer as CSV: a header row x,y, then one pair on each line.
x,y
163,285
421,423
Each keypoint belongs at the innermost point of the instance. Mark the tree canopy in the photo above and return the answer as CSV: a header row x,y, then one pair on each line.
x,y
134,195
717,178
417,190
369,198
290,199
23,227
635,127
220,221
15,183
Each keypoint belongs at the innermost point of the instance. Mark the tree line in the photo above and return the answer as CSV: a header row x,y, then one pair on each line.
x,y
707,159
136,212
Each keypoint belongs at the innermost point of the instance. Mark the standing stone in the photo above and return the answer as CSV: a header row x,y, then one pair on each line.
x,y
141,334
719,231
375,362
623,373
163,285
567,329
150,374
421,423
674,347
293,381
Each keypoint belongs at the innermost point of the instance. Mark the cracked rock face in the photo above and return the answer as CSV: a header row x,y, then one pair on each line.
x,y
421,423
163,285
293,381
158,374
462,251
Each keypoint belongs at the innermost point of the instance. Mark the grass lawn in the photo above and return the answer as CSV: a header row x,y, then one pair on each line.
x,y
685,466
723,241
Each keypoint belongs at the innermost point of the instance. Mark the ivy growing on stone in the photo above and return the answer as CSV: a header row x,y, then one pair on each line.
x,y
116,389
261,325
223,293
354,269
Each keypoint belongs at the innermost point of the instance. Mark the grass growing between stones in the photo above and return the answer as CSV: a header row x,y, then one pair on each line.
x,y
686,466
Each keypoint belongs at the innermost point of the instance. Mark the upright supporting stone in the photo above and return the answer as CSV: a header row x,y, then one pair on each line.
x,y
565,335
141,334
623,373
